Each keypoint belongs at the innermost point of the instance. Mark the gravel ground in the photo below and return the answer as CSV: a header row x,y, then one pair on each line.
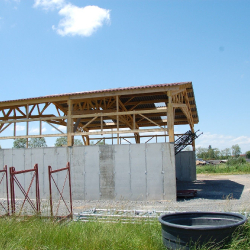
x,y
214,193
218,193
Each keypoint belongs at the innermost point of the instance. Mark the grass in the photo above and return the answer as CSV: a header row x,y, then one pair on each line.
x,y
35,233
238,168
45,234
40,234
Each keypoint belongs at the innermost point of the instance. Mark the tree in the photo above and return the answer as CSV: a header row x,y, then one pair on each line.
x,y
78,142
248,154
19,143
225,153
236,151
38,142
101,142
60,141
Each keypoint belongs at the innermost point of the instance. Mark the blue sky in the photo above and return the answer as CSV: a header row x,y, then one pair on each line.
x,y
56,46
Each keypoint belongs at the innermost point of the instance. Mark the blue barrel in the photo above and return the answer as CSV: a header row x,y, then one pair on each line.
x,y
186,229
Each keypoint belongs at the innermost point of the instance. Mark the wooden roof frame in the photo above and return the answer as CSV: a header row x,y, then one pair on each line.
x,y
113,111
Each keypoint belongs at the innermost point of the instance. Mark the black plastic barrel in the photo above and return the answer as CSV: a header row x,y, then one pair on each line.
x,y
185,229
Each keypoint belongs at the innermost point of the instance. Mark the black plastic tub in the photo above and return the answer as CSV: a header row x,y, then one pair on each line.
x,y
182,230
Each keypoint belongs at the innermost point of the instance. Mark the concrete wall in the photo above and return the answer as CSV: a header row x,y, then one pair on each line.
x,y
185,166
127,172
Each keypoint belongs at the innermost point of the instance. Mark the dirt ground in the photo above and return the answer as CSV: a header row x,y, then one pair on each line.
x,y
223,193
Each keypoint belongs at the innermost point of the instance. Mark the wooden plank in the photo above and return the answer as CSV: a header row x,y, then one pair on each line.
x,y
117,117
69,124
170,117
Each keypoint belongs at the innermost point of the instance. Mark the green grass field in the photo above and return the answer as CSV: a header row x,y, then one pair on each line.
x,y
240,168
36,233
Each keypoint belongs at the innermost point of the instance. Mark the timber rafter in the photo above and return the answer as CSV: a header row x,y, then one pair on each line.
x,y
135,110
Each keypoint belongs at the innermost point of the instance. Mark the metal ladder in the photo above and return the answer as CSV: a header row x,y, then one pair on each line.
x,y
185,140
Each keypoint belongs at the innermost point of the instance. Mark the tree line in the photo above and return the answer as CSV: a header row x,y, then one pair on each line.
x,y
204,153
40,142
216,154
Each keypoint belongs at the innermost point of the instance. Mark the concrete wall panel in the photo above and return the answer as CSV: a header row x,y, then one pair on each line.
x,y
1,159
138,172
134,172
50,159
77,173
154,171
122,172
63,154
107,172
3,185
186,166
169,182
7,158
92,173
18,162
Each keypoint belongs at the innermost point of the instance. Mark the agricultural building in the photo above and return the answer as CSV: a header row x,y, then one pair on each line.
x,y
126,120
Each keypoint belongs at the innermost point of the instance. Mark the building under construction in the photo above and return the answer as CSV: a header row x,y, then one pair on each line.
x,y
128,167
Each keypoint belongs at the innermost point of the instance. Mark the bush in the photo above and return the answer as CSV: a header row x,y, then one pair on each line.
x,y
248,154
236,161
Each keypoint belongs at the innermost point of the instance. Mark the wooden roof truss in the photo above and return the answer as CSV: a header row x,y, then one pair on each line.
x,y
154,108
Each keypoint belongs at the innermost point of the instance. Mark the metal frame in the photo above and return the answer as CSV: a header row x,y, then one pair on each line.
x,y
13,180
5,173
70,210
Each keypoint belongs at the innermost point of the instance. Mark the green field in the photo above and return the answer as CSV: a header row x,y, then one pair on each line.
x,y
36,233
238,168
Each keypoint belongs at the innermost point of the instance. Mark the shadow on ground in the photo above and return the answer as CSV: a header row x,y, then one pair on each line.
x,y
213,189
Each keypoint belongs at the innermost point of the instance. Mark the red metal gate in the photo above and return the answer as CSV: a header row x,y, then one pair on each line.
x,y
13,179
5,174
60,192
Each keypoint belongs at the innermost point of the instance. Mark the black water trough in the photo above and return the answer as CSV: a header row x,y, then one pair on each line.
x,y
185,229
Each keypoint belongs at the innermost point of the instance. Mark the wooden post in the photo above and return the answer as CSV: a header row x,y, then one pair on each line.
x,y
27,125
69,124
193,143
170,118
40,128
117,117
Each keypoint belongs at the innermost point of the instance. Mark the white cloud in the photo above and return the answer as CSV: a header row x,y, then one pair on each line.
x,y
49,4
81,21
223,141
20,128
37,130
62,128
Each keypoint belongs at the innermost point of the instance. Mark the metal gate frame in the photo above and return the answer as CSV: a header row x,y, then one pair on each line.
x,y
13,180
5,173
70,210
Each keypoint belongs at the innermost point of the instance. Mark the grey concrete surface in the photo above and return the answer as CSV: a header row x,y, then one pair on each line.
x,y
119,172
185,166
218,193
